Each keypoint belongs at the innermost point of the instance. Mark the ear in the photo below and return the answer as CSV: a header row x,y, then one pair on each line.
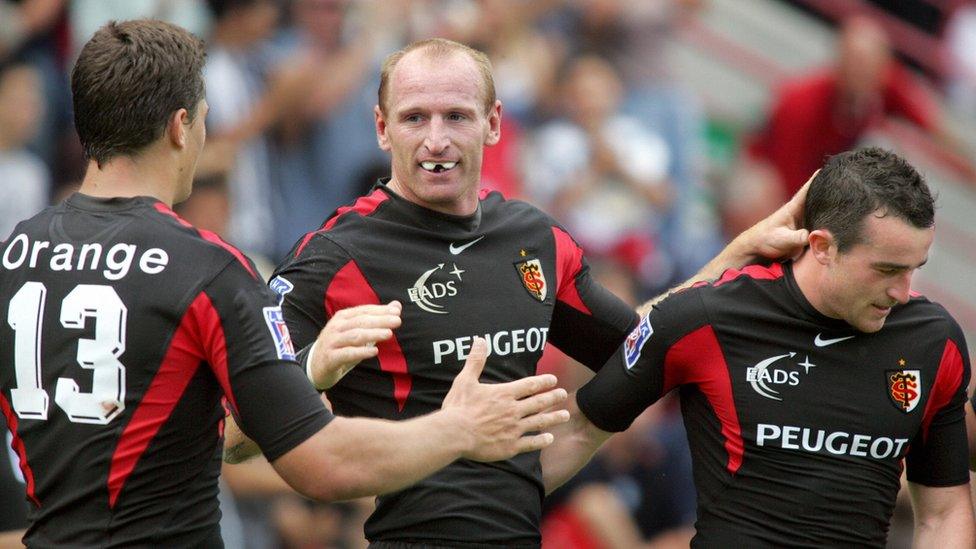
x,y
823,246
381,137
176,127
494,124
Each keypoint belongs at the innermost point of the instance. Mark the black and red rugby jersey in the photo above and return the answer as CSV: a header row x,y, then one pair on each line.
x,y
125,327
507,273
798,424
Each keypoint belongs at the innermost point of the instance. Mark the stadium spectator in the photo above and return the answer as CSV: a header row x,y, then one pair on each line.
x,y
24,179
825,113
469,263
153,321
807,386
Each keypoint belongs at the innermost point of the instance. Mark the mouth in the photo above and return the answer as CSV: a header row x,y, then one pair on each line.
x,y
438,167
881,310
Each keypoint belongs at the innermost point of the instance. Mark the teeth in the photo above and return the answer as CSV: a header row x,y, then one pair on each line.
x,y
438,166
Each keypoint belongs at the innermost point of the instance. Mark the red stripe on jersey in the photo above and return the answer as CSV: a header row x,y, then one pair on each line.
x,y
209,236
697,358
946,384
18,445
758,272
569,261
350,288
182,359
365,205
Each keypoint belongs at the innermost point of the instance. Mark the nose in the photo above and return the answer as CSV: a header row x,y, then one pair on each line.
x,y
437,139
900,290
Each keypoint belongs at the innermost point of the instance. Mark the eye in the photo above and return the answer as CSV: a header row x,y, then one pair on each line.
x,y
456,117
412,118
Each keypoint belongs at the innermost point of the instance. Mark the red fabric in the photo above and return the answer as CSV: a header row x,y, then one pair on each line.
x,y
199,330
350,288
759,272
564,529
18,445
364,205
946,384
697,358
804,126
209,236
500,165
569,261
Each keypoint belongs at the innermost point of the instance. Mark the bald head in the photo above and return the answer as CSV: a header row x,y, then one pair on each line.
x,y
864,55
436,49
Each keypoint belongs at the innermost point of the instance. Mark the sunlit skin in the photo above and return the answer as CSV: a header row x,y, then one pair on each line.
x,y
436,113
862,284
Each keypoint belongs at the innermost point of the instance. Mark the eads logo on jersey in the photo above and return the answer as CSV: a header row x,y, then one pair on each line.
x,y
770,373
904,387
428,289
532,277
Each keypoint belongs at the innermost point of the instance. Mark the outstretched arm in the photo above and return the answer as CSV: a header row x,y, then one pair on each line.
x,y
943,516
355,457
576,442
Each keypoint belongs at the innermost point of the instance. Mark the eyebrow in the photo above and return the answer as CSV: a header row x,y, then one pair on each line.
x,y
886,265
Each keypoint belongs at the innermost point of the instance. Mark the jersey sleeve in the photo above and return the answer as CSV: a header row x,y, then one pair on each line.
x,y
651,362
588,322
939,454
243,337
301,282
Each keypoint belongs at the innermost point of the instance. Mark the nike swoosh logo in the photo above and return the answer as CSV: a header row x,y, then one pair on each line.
x,y
455,250
819,342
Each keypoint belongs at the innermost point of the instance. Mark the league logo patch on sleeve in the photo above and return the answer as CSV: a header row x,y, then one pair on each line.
x,y
636,340
281,286
275,320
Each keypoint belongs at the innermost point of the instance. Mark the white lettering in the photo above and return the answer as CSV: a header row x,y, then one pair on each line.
x,y
96,252
463,346
830,443
153,261
806,440
24,244
38,246
61,260
901,442
876,453
442,348
518,341
533,338
115,268
859,445
791,433
766,432
501,344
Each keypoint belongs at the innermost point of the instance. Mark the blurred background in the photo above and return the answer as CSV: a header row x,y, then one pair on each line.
x,y
653,129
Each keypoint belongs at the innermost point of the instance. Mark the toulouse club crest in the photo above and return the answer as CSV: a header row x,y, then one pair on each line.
x,y
904,388
532,277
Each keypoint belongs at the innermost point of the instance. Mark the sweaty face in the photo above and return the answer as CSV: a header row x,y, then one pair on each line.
x,y
436,128
863,283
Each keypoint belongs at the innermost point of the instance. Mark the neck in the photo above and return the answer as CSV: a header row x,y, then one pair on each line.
x,y
808,272
463,206
124,177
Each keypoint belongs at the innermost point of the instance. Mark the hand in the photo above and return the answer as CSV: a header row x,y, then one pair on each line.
x,y
349,338
498,416
780,235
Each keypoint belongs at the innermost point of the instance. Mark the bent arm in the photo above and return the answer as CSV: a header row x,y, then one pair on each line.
x,y
943,516
575,443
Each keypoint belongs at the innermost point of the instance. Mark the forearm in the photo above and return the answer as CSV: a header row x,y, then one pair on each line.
x,y
237,446
575,443
355,457
950,530
11,538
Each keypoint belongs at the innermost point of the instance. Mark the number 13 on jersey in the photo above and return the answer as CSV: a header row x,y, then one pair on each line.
x,y
107,398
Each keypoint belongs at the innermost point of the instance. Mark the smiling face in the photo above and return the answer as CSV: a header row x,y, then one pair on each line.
x,y
861,284
435,126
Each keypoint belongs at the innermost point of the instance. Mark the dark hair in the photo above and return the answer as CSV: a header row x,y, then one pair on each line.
x,y
854,184
129,79
438,48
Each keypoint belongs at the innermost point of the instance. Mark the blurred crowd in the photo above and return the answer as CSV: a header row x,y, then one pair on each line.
x,y
597,130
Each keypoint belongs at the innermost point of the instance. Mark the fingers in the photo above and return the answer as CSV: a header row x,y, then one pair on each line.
x,y
528,386
475,364
542,401
544,421
531,443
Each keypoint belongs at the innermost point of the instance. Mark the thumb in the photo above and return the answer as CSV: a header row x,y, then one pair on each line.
x,y
475,363
800,237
